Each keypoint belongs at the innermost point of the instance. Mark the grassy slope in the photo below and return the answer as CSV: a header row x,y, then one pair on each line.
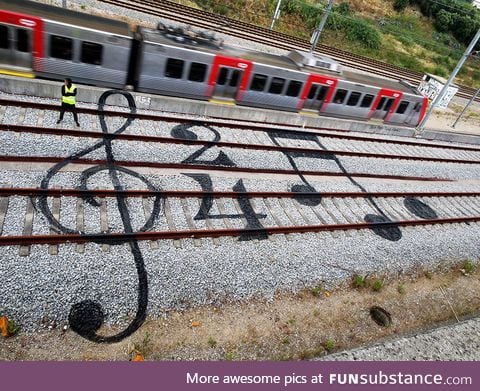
x,y
408,39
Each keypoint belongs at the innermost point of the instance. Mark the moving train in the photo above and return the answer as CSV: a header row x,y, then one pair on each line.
x,y
39,40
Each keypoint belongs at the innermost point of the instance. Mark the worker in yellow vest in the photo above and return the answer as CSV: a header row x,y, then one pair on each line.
x,y
69,91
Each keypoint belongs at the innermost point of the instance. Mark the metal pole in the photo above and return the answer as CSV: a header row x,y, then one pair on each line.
x,y
447,84
319,29
276,15
466,107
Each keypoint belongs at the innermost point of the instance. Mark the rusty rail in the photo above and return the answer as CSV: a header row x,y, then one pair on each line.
x,y
213,233
223,144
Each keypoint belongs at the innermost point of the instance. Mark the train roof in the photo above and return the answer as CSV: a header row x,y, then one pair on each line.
x,y
67,16
155,37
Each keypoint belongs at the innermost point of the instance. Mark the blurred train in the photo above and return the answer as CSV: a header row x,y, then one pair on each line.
x,y
38,40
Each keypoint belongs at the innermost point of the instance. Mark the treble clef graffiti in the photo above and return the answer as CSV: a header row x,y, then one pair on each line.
x,y
87,316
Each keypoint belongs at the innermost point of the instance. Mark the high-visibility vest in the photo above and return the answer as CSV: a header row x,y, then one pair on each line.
x,y
69,100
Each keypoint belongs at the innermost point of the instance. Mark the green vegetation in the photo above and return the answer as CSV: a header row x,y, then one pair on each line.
x,y
468,266
421,35
329,345
212,342
359,281
377,285
316,291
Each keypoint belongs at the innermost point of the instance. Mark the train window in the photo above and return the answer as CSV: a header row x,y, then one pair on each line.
x,y
313,91
402,107
353,98
197,72
174,68
91,53
61,47
389,104
235,78
4,44
340,96
258,82
276,86
322,93
294,88
22,41
222,76
367,101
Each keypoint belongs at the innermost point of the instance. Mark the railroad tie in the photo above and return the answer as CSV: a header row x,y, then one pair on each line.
x,y
24,251
104,221
3,211
208,221
188,216
53,248
80,223
177,243
147,210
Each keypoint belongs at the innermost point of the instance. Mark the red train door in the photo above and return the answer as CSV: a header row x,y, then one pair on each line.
x,y
317,93
229,77
21,43
385,104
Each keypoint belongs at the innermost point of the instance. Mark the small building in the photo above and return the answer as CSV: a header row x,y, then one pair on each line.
x,y
476,3
430,87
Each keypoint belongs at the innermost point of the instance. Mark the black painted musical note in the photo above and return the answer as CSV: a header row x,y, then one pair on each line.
x,y
86,317
392,232
183,132
252,218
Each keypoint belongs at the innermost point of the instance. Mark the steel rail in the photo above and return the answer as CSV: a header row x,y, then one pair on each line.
x,y
223,144
245,124
206,167
83,193
212,233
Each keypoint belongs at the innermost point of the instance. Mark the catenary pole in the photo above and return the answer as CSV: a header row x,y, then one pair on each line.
x,y
276,15
318,30
466,107
443,91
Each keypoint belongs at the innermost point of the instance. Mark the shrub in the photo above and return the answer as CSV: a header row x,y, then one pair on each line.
x,y
443,21
363,32
400,5
355,29
343,8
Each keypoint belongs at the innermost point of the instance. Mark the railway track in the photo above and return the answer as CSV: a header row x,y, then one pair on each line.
x,y
203,19
321,153
387,212
140,211
382,212
307,131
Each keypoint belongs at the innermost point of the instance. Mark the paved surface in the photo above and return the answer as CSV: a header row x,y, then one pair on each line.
x,y
460,341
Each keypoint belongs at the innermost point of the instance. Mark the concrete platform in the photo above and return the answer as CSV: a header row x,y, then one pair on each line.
x,y
90,94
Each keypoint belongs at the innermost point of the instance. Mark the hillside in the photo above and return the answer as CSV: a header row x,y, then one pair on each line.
x,y
373,28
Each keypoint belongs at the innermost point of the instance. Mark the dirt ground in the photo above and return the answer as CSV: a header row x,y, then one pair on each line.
x,y
309,324
443,119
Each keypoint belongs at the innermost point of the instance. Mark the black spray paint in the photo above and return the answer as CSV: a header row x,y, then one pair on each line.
x,y
248,213
86,317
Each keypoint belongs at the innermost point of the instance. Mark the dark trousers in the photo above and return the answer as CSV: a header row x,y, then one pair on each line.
x,y
66,106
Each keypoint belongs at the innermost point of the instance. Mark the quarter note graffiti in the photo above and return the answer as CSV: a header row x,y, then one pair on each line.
x,y
87,316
